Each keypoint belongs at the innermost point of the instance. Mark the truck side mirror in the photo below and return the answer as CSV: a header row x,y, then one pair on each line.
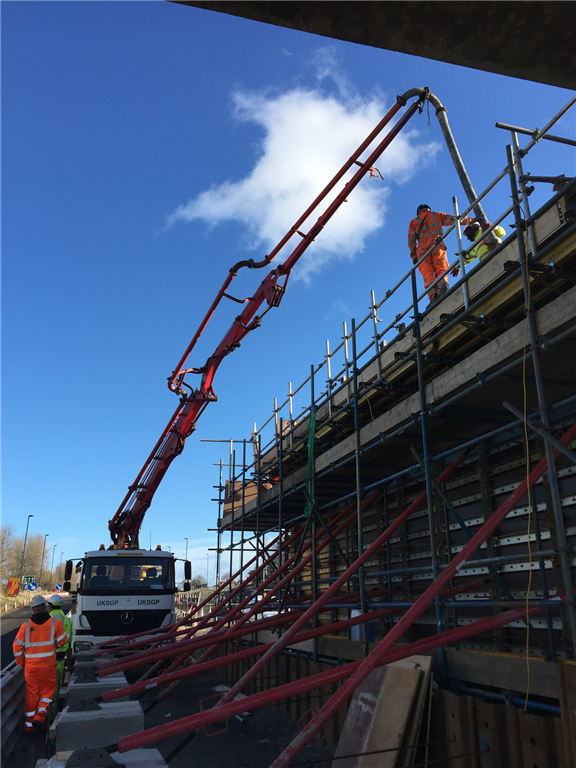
x,y
67,586
68,570
187,570
186,586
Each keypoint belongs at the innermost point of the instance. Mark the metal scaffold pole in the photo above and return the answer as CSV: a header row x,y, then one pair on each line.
x,y
358,476
312,497
542,405
258,495
242,520
232,508
219,534
427,464
280,489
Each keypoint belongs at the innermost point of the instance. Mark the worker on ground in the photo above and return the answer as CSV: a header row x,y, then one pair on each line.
x,y
55,604
35,650
474,232
424,231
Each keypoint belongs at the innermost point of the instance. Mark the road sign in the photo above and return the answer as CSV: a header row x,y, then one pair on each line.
x,y
32,586
28,580
58,588
13,586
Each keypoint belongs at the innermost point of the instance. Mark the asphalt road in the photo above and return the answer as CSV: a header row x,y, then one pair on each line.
x,y
9,625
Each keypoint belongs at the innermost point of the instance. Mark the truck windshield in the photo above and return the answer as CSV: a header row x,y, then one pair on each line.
x,y
127,574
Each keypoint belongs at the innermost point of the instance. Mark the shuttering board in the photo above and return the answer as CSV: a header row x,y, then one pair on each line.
x,y
498,734
360,720
392,716
469,733
380,713
461,730
567,692
539,741
412,736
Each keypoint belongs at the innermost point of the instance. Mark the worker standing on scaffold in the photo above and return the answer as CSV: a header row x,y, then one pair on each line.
x,y
423,232
474,232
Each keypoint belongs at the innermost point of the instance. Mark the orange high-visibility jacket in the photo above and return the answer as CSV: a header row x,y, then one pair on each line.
x,y
35,644
432,223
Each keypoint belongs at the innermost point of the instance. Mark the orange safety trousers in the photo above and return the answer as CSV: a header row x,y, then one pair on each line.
x,y
432,267
40,689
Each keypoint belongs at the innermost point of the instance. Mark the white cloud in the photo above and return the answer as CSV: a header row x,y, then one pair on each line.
x,y
307,136
325,62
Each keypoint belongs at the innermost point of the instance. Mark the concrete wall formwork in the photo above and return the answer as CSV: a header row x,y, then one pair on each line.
x,y
369,436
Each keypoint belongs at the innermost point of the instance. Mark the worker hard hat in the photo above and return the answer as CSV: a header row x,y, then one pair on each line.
x,y
472,230
56,600
37,600
423,207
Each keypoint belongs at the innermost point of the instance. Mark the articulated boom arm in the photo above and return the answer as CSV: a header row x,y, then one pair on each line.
x,y
125,525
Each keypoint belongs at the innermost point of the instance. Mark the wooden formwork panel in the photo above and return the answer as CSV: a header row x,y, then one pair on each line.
x,y
469,733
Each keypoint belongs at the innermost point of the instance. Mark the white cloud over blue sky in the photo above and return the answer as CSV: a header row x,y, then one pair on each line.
x,y
307,135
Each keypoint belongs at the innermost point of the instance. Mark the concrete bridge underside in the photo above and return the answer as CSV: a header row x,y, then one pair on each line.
x,y
529,40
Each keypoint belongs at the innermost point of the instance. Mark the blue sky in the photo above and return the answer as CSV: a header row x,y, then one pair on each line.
x,y
147,147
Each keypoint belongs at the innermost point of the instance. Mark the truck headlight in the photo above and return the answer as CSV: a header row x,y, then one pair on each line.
x,y
82,646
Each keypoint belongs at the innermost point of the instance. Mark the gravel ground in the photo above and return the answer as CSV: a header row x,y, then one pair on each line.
x,y
254,743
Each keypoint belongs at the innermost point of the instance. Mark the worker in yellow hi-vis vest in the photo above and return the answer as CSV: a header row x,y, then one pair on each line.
x,y
475,232
55,604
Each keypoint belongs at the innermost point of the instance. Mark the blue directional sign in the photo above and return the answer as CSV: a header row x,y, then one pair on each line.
x,y
58,588
32,586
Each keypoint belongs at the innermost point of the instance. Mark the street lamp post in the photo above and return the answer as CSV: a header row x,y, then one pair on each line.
x,y
42,562
24,550
186,555
52,566
60,567
207,566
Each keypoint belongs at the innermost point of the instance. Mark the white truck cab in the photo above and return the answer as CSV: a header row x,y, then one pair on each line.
x,y
121,592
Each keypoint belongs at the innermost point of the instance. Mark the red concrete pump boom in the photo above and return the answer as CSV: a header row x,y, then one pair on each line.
x,y
125,525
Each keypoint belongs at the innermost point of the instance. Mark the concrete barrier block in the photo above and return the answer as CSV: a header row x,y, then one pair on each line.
x,y
78,690
137,758
87,729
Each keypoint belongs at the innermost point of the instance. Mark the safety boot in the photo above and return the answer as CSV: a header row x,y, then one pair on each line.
x,y
442,288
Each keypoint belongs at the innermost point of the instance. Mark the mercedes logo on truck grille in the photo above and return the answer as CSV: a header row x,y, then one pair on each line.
x,y
127,617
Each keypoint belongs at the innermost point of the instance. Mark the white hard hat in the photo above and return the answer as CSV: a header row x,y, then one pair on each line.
x,y
56,600
37,600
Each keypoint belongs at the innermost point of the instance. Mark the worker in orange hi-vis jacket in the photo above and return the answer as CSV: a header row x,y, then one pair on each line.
x,y
423,232
35,649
